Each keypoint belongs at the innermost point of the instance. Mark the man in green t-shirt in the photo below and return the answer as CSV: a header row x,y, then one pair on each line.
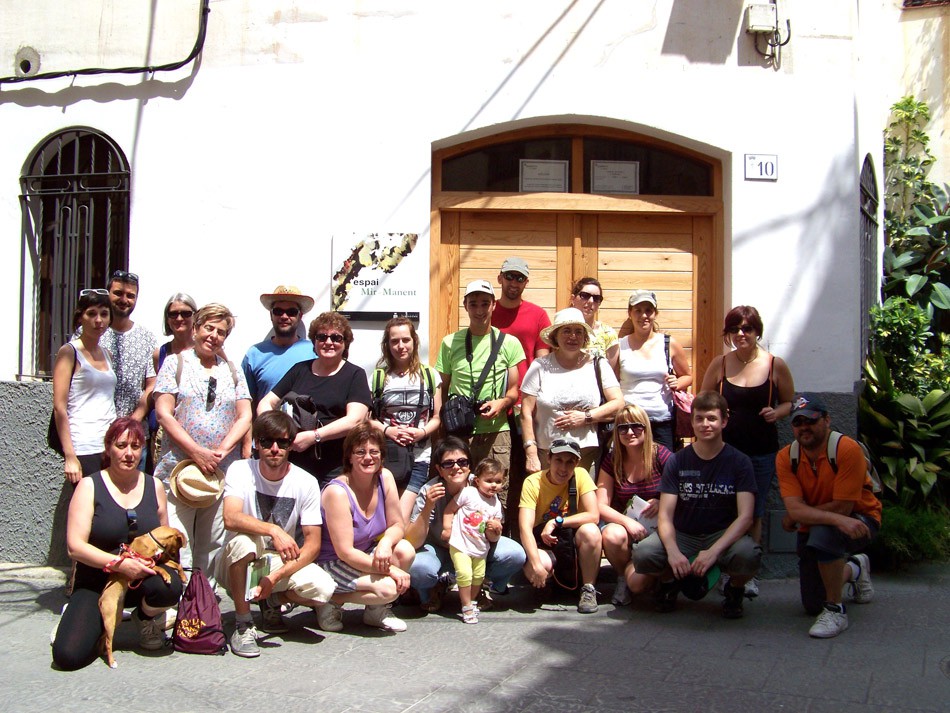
x,y
499,391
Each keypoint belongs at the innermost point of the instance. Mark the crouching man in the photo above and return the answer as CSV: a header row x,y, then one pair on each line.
x,y
707,496
554,501
267,502
834,509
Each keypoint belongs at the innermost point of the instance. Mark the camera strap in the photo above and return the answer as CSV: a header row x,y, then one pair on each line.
x,y
496,339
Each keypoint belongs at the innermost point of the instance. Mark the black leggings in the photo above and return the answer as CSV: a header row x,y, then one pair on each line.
x,y
77,637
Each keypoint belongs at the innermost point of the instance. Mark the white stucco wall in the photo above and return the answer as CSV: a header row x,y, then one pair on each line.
x,y
306,120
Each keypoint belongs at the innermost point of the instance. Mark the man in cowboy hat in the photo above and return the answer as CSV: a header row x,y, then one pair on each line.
x,y
266,362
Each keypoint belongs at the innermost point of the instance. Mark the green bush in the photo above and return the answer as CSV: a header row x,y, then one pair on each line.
x,y
913,535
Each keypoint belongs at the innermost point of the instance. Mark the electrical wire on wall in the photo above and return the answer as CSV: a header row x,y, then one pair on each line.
x,y
195,51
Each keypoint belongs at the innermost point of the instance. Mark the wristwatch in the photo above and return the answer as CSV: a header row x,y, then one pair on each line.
x,y
558,521
316,435
529,443
587,417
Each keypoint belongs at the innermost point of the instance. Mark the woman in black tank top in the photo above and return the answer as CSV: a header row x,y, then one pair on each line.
x,y
758,388
111,508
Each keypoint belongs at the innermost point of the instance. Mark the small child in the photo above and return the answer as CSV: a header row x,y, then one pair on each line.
x,y
478,524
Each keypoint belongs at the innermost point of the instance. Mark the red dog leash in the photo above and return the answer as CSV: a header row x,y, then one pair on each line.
x,y
126,553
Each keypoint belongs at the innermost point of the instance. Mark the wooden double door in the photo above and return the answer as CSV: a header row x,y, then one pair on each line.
x,y
671,254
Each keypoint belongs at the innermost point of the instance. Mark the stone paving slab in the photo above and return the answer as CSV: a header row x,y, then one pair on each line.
x,y
895,657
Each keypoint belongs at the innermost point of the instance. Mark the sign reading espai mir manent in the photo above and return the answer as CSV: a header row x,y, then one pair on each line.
x,y
366,274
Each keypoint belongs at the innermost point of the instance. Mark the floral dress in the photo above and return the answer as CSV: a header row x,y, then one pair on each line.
x,y
604,337
207,426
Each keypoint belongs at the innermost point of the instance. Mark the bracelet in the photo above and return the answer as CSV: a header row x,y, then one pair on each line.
x,y
529,443
386,428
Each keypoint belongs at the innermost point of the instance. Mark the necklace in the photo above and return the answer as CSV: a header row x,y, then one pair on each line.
x,y
755,354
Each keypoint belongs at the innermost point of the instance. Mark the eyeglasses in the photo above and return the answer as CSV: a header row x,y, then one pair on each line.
x,y
212,393
280,311
744,328
323,336
362,453
635,428
515,277
123,276
804,421
460,462
180,314
132,519
282,443
97,291
590,296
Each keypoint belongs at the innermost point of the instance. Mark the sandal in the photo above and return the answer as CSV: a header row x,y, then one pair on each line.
x,y
470,614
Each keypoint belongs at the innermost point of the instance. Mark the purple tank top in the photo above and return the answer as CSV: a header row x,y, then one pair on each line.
x,y
366,530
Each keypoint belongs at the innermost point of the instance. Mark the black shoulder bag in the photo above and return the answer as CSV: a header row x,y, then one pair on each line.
x,y
564,553
459,411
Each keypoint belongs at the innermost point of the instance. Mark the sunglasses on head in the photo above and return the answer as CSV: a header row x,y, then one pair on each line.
x,y
96,291
515,277
590,296
635,428
804,421
282,443
744,328
212,393
281,311
323,337
460,462
123,276
180,313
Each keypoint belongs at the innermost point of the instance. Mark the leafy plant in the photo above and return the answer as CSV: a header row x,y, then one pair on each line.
x,y
914,535
900,331
907,160
908,437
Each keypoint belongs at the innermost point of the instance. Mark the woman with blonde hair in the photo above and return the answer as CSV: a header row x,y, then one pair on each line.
x,y
631,471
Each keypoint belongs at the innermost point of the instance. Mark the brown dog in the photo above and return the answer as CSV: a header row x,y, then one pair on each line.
x,y
160,546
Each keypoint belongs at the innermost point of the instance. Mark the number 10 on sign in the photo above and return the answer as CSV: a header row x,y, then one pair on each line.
x,y
761,167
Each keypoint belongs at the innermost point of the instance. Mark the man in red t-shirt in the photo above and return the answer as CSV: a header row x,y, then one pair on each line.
x,y
835,512
524,321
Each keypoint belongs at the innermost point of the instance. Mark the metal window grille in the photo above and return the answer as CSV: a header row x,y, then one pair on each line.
x,y
75,227
870,294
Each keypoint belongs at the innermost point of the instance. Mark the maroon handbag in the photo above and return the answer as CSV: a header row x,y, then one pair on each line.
x,y
198,627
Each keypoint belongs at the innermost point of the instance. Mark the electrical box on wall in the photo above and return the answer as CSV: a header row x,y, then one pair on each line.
x,y
760,18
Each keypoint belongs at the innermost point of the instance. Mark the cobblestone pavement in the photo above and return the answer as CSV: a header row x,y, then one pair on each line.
x,y
895,657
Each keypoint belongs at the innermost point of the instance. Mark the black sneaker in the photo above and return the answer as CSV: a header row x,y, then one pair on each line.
x,y
664,599
732,604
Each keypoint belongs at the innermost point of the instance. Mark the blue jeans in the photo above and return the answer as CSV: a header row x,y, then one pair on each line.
x,y
418,476
504,559
764,469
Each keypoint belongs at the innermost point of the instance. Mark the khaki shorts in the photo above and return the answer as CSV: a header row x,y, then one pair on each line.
x,y
309,582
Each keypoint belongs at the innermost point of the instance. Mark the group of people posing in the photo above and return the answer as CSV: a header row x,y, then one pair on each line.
x,y
355,489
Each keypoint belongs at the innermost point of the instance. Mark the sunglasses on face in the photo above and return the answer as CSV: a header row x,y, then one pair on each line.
x,y
323,337
744,328
636,429
180,314
804,421
280,311
212,393
590,296
132,519
97,291
267,443
460,462
515,277
123,276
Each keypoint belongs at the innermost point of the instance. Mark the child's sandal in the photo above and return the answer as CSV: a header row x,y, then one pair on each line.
x,y
470,614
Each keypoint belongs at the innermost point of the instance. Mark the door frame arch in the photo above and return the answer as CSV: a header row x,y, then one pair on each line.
x,y
446,206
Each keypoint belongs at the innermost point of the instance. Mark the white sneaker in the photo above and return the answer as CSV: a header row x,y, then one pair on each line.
x,y
752,588
381,616
621,597
171,616
151,634
862,591
330,617
830,623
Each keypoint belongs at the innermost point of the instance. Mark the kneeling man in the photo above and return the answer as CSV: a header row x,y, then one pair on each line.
x,y
834,509
272,512
563,497
707,496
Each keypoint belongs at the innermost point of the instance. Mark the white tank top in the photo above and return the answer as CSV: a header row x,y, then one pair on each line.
x,y
90,406
643,381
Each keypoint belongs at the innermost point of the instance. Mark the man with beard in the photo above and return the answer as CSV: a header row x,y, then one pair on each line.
x,y
273,517
266,362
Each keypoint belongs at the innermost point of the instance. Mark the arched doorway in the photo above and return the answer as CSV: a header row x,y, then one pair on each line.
x,y
666,237
75,207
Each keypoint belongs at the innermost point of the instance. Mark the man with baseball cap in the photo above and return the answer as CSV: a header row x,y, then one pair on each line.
x,y
266,362
462,358
830,500
562,497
